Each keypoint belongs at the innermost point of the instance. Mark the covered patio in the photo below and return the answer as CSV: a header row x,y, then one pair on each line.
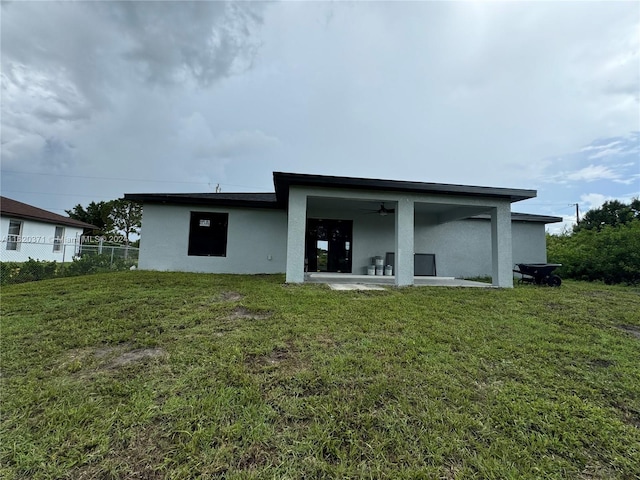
x,y
388,216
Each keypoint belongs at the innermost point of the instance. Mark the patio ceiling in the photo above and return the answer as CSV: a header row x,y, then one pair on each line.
x,y
434,213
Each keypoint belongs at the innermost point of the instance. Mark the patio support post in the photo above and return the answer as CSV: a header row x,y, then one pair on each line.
x,y
501,252
404,242
297,221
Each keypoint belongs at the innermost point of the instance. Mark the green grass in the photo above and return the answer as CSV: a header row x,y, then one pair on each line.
x,y
168,375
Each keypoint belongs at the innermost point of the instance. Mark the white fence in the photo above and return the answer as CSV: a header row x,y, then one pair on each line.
x,y
63,252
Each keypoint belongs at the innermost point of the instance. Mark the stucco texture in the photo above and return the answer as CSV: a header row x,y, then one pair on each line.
x,y
256,240
462,248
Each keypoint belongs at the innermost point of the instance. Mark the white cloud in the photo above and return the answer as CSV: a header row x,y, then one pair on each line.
x,y
630,180
592,201
593,173
196,136
566,225
609,145
607,152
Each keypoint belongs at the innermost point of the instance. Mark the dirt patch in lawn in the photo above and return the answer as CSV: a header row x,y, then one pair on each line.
x,y
601,363
275,357
629,415
108,358
258,456
327,341
632,329
596,471
140,457
230,297
280,358
243,313
135,356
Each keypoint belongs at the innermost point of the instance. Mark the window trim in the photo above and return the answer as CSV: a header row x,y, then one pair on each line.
x,y
15,242
58,240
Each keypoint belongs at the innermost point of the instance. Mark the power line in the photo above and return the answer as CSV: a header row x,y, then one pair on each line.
x,y
51,193
128,179
100,178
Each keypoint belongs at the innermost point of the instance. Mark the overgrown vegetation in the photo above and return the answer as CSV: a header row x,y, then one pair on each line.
x,y
112,217
604,246
611,254
170,375
32,270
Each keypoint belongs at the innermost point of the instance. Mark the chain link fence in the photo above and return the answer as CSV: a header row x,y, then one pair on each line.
x,y
114,252
28,260
63,252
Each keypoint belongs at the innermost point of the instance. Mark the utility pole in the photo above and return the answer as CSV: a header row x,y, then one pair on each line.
x,y
577,212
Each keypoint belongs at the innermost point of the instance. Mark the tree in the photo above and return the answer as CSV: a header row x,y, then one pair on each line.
x,y
604,246
611,213
96,214
126,217
610,253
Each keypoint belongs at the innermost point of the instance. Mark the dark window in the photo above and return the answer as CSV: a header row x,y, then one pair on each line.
x,y
208,234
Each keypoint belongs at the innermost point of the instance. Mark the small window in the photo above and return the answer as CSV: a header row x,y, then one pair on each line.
x,y
13,237
58,239
208,234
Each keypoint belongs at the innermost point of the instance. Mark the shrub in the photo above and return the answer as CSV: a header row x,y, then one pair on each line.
x,y
611,255
29,271
96,264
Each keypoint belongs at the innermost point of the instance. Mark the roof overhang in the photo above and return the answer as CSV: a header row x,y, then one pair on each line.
x,y
14,209
283,181
524,217
247,200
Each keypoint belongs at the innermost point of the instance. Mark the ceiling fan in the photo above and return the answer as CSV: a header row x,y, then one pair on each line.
x,y
384,211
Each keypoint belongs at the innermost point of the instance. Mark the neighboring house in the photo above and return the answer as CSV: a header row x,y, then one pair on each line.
x,y
30,232
337,224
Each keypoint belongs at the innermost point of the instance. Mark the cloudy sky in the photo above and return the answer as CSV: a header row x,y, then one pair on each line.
x,y
105,98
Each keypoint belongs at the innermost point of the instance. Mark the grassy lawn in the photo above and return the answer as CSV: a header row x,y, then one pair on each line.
x,y
167,375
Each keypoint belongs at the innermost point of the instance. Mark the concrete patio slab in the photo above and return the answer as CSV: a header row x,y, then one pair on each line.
x,y
354,286
388,280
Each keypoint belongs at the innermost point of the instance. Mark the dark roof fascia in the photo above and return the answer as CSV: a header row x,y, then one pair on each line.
x,y
246,200
530,217
523,217
283,181
14,209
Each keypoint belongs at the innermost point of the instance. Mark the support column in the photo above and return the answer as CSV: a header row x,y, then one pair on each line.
x,y
296,227
501,251
405,232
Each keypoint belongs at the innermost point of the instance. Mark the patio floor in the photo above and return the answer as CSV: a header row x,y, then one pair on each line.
x,y
388,280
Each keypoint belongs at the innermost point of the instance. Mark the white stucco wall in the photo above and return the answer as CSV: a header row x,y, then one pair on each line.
x,y
256,240
529,242
37,241
462,248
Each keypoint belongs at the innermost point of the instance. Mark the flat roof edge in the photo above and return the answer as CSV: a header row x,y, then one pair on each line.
x,y
199,199
524,217
283,180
